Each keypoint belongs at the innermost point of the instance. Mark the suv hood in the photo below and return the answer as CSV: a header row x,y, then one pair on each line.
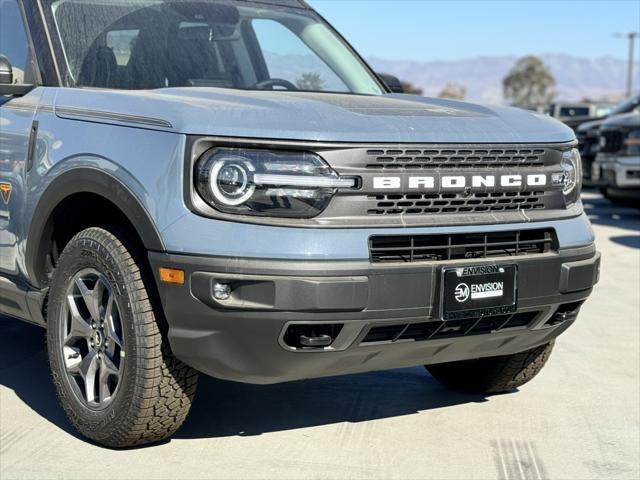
x,y
320,117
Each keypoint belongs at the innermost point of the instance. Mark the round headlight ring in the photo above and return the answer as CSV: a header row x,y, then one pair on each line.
x,y
231,182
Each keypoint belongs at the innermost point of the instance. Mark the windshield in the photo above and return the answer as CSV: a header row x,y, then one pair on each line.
x,y
573,112
148,44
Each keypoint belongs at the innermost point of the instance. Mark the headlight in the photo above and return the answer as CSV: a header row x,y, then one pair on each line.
x,y
267,182
571,177
632,142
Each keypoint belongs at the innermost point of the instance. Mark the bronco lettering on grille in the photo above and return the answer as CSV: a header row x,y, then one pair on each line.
x,y
445,182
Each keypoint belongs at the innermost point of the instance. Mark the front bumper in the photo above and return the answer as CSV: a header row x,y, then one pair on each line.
x,y
245,338
616,172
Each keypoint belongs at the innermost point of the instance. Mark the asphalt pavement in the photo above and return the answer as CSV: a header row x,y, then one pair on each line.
x,y
579,419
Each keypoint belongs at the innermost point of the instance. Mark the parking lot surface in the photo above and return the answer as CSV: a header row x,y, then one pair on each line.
x,y
579,419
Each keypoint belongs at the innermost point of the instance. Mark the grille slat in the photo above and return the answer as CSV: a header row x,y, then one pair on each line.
x,y
613,141
455,158
450,159
395,204
450,329
415,248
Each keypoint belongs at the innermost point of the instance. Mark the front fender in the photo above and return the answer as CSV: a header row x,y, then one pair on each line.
x,y
139,170
83,180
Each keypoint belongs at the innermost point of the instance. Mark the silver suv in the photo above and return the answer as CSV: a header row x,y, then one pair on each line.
x,y
227,187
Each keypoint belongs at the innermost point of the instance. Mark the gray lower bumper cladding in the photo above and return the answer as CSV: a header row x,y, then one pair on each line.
x,y
287,320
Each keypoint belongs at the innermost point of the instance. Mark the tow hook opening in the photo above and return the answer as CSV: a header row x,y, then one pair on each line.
x,y
311,336
565,312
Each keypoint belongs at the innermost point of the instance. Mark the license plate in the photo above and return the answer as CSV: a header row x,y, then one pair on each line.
x,y
478,291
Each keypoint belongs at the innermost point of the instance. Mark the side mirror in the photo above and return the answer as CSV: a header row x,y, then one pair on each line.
x,y
392,82
6,71
7,87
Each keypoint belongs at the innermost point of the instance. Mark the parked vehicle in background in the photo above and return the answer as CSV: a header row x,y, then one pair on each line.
x,y
588,134
626,106
577,112
616,169
181,194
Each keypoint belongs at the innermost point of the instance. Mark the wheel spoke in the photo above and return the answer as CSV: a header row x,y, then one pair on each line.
x,y
79,328
107,364
109,324
92,298
107,370
87,370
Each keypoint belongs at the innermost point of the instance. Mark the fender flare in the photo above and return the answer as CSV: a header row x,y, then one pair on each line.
x,y
83,180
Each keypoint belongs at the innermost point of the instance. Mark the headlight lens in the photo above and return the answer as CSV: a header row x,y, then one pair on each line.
x,y
632,142
571,176
267,183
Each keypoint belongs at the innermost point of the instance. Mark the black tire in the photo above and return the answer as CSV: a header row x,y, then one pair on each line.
x,y
493,374
150,396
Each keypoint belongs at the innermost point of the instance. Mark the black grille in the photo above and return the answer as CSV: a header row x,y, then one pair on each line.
x,y
416,248
613,141
431,158
416,204
450,329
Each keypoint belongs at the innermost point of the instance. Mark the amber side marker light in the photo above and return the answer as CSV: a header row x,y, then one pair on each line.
x,y
172,275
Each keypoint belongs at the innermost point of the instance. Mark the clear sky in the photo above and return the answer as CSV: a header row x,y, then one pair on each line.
x,y
427,30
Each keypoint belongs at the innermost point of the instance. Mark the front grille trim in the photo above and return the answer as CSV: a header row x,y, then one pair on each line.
x,y
461,246
614,141
482,202
416,205
454,157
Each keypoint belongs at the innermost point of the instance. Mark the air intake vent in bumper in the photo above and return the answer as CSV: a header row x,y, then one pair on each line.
x,y
416,248
449,329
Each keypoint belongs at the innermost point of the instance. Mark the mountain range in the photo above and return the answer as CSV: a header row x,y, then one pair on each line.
x,y
576,78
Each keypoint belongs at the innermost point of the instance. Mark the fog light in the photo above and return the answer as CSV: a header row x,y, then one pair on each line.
x,y
221,291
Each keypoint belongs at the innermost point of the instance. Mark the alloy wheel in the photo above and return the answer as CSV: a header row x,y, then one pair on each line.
x,y
92,339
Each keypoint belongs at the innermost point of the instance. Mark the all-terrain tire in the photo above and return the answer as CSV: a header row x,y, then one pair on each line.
x,y
492,374
155,390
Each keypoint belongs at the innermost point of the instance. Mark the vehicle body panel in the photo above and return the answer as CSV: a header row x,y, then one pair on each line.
x,y
134,148
320,117
15,133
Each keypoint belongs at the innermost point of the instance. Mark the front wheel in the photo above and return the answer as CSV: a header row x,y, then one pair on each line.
x,y
493,374
114,372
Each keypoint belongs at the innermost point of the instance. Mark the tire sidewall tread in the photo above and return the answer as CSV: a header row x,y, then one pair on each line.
x,y
156,389
493,374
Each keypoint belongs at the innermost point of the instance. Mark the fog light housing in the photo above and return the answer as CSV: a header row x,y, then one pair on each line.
x,y
221,291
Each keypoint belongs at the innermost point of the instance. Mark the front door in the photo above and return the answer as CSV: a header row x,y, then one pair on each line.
x,y
16,121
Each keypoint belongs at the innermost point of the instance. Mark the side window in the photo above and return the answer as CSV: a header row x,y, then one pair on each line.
x,y
13,38
287,57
